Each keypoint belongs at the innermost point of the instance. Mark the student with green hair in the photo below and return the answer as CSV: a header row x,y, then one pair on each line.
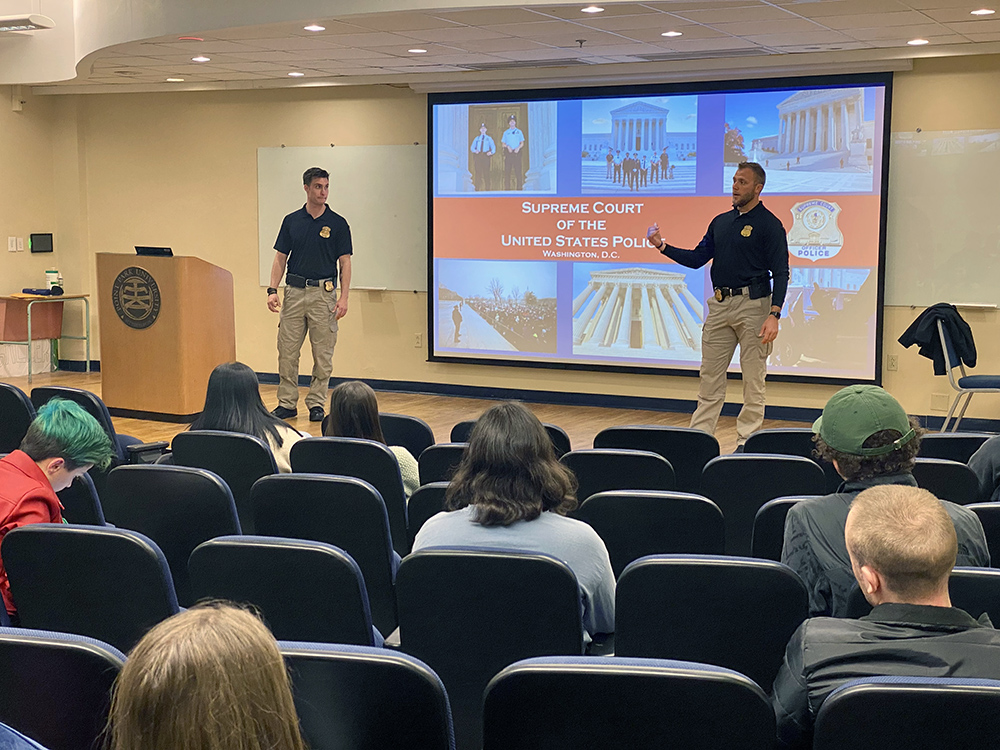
x,y
62,443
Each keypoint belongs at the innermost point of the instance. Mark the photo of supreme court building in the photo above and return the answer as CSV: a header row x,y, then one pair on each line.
x,y
642,312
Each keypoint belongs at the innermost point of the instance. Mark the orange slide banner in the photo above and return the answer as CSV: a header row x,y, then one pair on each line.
x,y
836,231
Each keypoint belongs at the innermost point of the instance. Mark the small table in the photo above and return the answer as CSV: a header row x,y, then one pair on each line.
x,y
16,322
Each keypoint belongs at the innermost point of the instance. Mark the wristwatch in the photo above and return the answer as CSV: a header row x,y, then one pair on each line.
x,y
271,290
776,314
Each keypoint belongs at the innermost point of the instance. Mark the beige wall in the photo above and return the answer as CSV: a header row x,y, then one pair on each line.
x,y
180,169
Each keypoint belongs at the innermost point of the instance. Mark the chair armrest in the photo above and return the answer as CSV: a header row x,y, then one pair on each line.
x,y
392,640
145,453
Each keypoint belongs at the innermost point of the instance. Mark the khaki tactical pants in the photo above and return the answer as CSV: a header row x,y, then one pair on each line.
x,y
735,320
314,310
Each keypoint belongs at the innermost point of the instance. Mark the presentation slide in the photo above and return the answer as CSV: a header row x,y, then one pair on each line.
x,y
540,208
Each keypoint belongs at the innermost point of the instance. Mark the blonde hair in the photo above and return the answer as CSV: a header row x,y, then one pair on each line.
x,y
906,535
209,678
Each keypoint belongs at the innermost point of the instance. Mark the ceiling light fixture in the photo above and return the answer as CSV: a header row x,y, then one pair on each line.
x,y
416,51
27,22
983,12
296,74
200,58
175,80
917,42
314,27
592,9
672,33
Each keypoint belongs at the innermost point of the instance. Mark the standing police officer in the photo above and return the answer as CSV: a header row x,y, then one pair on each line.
x,y
312,242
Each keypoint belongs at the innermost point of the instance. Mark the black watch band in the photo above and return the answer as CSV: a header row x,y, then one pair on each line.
x,y
776,314
271,290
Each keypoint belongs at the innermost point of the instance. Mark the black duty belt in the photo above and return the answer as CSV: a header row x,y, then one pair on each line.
x,y
301,282
721,292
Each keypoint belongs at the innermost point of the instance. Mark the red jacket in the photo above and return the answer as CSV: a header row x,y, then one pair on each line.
x,y
26,496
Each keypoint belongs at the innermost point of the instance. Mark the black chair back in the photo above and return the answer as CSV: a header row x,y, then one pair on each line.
x,y
560,439
80,502
976,590
686,449
89,401
769,528
947,480
239,460
954,446
635,523
737,613
366,460
438,462
367,699
989,517
105,583
412,433
606,470
577,702
426,502
176,506
469,613
740,484
16,413
792,441
305,591
900,713
56,687
461,431
343,511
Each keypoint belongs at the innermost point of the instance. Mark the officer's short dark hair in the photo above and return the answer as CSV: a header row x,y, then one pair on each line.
x,y
314,173
757,169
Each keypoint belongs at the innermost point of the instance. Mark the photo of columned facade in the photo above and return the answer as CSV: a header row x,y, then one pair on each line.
x,y
824,128
638,312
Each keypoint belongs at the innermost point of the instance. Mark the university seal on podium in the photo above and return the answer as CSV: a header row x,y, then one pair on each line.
x,y
136,297
814,233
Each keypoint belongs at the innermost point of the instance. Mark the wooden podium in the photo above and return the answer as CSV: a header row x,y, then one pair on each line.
x,y
165,325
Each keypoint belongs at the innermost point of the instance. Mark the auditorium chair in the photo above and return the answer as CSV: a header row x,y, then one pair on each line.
x,y
636,523
954,446
176,506
81,503
97,581
437,463
740,484
606,469
304,590
573,702
768,535
16,413
989,517
470,612
687,450
367,460
412,433
792,441
343,511
560,440
947,480
238,459
425,503
976,590
358,698
729,611
56,687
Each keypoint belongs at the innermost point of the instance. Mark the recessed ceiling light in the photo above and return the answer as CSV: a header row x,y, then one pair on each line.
x,y
175,80
200,58
983,12
314,27
592,9
417,51
296,74
918,42
672,33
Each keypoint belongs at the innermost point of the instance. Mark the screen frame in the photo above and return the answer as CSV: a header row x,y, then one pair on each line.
x,y
666,89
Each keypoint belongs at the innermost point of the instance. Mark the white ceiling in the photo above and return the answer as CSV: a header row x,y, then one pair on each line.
x,y
474,44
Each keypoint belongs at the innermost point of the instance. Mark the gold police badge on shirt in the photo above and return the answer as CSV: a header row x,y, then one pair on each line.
x,y
746,230
324,232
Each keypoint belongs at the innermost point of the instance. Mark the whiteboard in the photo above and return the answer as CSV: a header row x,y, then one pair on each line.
x,y
380,190
943,222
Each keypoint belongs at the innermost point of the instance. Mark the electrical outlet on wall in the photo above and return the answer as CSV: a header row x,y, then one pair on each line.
x,y
418,340
12,244
892,362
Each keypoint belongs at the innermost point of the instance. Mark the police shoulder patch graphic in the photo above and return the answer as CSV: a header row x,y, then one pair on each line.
x,y
136,297
814,233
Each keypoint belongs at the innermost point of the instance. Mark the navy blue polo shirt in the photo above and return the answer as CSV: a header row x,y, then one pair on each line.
x,y
313,246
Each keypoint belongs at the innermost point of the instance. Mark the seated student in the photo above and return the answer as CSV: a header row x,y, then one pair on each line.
x,y
510,492
233,404
209,678
867,436
354,414
62,443
902,545
985,462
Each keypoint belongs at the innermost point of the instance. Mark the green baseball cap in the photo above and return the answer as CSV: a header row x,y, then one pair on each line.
x,y
856,413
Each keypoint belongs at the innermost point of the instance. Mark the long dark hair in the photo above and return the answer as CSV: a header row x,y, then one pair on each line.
x,y
354,412
509,471
232,403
